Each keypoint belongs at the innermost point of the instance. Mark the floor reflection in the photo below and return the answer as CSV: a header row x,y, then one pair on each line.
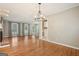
x,y
33,39
5,43
26,41
14,42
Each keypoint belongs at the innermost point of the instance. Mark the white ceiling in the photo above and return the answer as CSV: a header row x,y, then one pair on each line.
x,y
25,12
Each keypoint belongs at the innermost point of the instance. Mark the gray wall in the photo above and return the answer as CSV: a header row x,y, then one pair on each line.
x,y
7,28
63,27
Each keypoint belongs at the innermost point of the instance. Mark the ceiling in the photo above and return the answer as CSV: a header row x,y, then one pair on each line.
x,y
25,12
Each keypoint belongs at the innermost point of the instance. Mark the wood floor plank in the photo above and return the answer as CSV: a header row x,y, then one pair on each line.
x,y
44,48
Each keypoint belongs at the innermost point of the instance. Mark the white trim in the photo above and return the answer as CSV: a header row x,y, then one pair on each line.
x,y
63,44
5,46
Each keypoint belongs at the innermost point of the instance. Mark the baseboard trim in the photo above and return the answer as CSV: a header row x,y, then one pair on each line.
x,y
8,45
73,47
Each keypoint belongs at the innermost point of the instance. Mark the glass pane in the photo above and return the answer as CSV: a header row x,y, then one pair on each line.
x,y
14,29
36,30
25,29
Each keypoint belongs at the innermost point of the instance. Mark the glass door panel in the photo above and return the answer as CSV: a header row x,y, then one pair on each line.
x,y
14,29
25,29
36,30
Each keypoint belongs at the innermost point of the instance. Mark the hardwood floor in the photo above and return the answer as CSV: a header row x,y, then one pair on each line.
x,y
24,47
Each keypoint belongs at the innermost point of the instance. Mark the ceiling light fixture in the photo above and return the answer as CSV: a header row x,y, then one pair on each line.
x,y
4,12
39,14
40,21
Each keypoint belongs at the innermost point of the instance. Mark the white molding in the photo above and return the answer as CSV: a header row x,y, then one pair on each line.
x,y
63,44
5,46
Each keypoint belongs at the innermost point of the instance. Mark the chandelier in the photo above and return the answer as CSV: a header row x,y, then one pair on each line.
x,y
39,14
4,12
40,20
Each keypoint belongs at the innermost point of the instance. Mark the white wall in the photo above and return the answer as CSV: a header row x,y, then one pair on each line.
x,y
64,27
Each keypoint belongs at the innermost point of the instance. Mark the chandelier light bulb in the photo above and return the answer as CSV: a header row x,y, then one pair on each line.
x,y
39,15
4,12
